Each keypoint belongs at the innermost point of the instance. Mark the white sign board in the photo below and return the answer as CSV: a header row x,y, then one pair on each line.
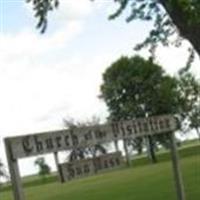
x,y
48,142
54,141
88,167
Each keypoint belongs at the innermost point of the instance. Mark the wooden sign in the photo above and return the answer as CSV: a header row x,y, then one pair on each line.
x,y
48,142
91,166
55,141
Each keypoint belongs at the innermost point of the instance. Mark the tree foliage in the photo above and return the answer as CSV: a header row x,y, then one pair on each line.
x,y
81,153
43,167
41,9
189,101
170,17
180,18
3,173
134,87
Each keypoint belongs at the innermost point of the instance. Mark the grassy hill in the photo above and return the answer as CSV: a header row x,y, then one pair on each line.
x,y
141,182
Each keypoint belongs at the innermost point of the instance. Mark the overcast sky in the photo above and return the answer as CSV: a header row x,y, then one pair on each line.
x,y
45,78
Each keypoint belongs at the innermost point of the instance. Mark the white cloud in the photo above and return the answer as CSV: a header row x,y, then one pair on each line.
x,y
68,20
72,10
27,44
31,83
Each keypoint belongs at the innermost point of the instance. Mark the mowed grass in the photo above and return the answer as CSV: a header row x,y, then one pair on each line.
x,y
144,182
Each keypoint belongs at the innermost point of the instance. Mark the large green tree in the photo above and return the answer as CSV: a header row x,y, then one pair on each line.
x,y
134,87
170,17
189,101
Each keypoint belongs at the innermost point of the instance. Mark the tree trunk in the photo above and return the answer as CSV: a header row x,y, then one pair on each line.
x,y
151,150
139,145
187,30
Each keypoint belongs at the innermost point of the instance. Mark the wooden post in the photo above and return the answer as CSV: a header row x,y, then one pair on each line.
x,y
151,150
116,145
14,173
60,175
128,160
176,169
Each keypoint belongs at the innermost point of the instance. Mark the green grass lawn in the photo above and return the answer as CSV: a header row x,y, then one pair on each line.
x,y
142,182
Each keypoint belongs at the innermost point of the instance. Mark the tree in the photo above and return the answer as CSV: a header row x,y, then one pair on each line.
x,y
3,173
134,87
195,119
170,17
79,153
189,101
43,167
